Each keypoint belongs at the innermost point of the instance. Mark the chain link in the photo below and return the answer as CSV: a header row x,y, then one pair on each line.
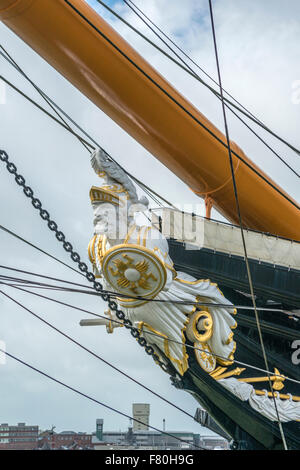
x,y
68,247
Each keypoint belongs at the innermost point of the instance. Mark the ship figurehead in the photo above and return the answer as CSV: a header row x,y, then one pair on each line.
x,y
134,262
171,310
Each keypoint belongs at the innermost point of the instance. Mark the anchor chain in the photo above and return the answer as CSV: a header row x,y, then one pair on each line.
x,y
68,247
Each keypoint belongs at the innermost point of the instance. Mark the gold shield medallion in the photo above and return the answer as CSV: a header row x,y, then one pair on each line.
x,y
134,271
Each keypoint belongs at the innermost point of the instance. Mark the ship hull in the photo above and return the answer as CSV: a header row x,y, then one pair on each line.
x,y
247,428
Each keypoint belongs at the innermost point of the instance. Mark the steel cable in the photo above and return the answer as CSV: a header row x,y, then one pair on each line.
x,y
217,356
174,100
150,192
241,226
89,397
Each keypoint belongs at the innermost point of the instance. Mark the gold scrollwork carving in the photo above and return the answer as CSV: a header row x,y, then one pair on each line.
x,y
133,269
204,357
130,274
200,327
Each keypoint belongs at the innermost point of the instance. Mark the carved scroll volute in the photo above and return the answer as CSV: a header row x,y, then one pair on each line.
x,y
200,327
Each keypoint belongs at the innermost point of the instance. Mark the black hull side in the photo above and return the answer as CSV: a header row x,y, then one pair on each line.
x,y
247,427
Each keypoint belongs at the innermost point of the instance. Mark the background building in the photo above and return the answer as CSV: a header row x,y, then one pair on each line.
x,y
99,429
144,439
20,437
26,437
148,440
50,440
141,412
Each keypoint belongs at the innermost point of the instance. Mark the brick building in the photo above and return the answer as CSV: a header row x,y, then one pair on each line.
x,y
20,437
65,440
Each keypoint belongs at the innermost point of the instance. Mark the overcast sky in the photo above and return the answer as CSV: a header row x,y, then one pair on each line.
x,y
260,62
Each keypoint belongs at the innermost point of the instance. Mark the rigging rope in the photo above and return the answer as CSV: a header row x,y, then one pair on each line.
x,y
180,50
60,236
16,66
145,188
89,397
211,89
114,294
218,95
228,146
45,215
234,361
241,225
118,296
183,108
149,191
191,72
39,249
94,354
15,88
247,113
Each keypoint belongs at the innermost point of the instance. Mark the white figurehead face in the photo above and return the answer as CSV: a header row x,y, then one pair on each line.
x,y
111,220
115,203
104,214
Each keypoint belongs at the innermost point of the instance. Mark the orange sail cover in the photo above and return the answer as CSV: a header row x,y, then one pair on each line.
x,y
78,43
